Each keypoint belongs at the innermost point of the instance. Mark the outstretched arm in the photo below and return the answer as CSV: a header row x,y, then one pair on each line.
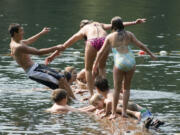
x,y
78,36
89,108
50,58
141,45
138,21
32,50
69,42
35,37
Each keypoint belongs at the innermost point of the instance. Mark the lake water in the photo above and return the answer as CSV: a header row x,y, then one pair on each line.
x,y
156,84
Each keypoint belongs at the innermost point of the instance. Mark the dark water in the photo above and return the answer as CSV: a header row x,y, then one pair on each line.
x,y
156,84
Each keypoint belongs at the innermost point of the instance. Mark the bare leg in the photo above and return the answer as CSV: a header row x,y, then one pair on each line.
x,y
118,78
102,65
134,114
89,108
64,84
131,106
90,55
139,108
126,93
129,112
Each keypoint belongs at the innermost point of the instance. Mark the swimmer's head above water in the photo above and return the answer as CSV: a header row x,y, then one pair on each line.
x,y
58,95
72,71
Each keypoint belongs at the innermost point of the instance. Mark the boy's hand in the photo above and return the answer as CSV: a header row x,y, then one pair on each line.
x,y
61,47
48,60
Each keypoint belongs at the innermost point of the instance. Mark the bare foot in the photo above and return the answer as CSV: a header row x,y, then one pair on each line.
x,y
112,116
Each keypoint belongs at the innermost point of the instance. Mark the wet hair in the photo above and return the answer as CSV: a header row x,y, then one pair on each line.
x,y
101,84
67,75
14,27
96,97
85,22
58,95
117,23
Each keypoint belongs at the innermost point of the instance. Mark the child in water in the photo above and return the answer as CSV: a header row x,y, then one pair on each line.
x,y
59,96
73,72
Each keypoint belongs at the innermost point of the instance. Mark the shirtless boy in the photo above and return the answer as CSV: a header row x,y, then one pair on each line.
x,y
59,97
21,52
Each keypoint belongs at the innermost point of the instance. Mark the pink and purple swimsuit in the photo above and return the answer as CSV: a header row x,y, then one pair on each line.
x,y
97,43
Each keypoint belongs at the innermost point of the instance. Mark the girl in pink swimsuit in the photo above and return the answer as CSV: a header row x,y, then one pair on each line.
x,y
94,33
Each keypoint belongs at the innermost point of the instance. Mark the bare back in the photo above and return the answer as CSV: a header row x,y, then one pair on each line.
x,y
120,41
94,30
58,109
21,58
